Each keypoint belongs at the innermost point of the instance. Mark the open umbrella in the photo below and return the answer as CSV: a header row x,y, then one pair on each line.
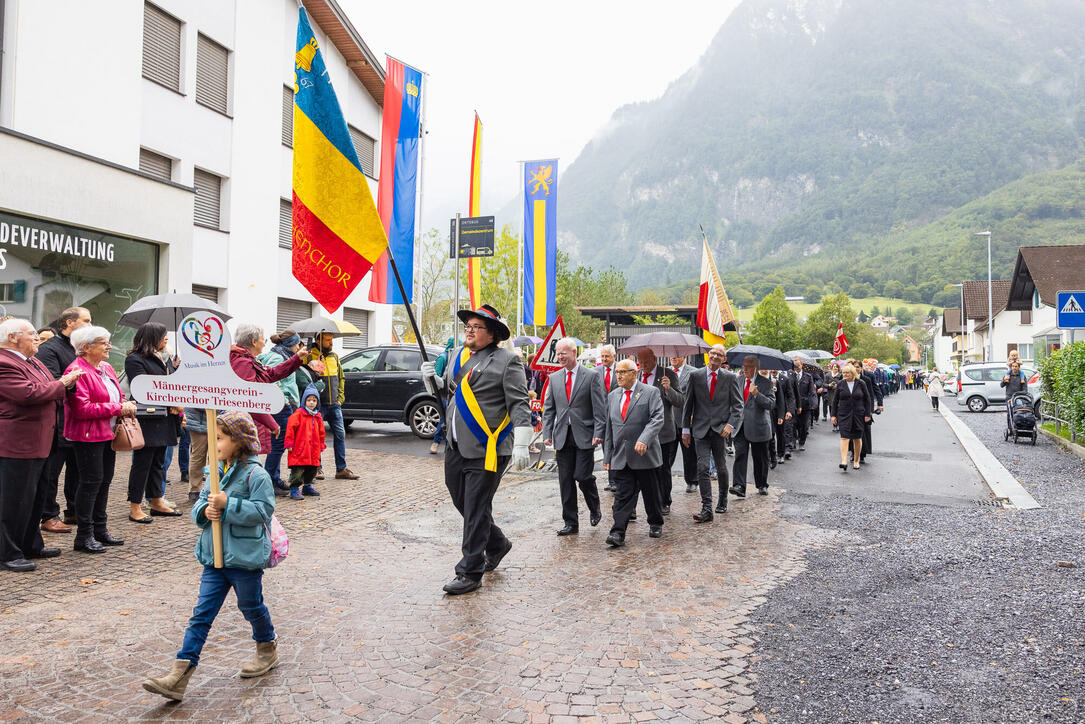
x,y
526,340
814,354
666,344
894,367
769,358
577,341
168,309
799,354
323,325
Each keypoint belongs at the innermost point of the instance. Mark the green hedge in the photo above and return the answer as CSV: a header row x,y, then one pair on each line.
x,y
1064,382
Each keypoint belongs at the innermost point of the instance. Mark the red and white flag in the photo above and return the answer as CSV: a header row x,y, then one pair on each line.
x,y
713,309
840,343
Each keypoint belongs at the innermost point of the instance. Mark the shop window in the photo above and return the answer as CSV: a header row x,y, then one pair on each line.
x,y
360,319
212,75
365,147
161,47
286,223
155,164
208,199
288,116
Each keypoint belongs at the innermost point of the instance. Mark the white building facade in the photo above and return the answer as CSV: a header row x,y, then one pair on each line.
x,y
146,147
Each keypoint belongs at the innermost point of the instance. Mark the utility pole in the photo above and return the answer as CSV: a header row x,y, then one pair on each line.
x,y
990,304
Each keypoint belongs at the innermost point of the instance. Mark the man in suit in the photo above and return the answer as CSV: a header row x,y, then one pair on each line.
x,y
712,411
806,403
754,430
785,434
866,376
487,399
689,454
28,417
608,381
631,450
666,381
574,420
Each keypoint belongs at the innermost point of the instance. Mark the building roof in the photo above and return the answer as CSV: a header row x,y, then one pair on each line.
x,y
975,298
348,41
624,315
951,322
1046,270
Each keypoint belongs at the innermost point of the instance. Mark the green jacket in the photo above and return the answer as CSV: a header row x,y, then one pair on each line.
x,y
246,543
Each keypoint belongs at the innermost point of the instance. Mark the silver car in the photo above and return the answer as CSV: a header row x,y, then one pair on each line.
x,y
979,385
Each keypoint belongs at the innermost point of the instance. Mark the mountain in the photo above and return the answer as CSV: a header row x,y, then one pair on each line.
x,y
812,130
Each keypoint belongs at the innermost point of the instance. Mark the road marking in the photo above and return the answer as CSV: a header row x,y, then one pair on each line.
x,y
1000,480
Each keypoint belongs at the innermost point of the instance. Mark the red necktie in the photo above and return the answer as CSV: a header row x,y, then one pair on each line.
x,y
625,403
746,392
568,386
676,370
606,380
645,380
712,387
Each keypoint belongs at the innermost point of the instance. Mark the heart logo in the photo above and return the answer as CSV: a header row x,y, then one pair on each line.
x,y
205,336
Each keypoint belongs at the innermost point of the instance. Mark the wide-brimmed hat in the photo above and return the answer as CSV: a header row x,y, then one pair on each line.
x,y
239,426
491,317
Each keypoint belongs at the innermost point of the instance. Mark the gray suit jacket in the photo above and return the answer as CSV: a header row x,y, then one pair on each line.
x,y
757,423
585,414
702,414
642,423
673,402
500,386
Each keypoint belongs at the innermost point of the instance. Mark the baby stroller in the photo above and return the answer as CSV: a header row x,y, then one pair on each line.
x,y
1020,418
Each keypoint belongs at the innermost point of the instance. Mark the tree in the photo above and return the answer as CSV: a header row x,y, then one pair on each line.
x,y
861,290
741,297
812,294
432,291
863,317
765,285
893,289
911,294
581,286
950,297
874,311
870,342
822,323
904,316
774,324
932,313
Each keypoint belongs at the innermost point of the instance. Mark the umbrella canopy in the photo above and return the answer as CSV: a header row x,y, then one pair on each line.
x,y
577,341
800,355
526,340
769,358
323,325
168,309
894,366
814,354
666,344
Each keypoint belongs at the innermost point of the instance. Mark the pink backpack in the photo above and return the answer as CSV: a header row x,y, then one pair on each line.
x,y
280,543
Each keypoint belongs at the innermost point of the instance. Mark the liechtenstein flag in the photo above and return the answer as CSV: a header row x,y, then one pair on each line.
x,y
396,192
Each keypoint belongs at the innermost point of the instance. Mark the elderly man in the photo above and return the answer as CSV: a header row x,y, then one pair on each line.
x,y
631,450
666,381
608,381
712,412
754,430
806,403
689,455
574,420
28,417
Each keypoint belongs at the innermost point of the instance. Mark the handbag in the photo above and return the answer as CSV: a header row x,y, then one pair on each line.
x,y
280,542
127,435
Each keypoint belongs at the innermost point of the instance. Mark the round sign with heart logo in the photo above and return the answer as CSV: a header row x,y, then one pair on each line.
x,y
203,335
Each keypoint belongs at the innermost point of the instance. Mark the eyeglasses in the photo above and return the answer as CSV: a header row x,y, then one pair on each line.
x,y
625,372
476,327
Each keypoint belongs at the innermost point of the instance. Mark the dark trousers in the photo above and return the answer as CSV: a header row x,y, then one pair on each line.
x,y
689,459
272,462
182,447
96,461
825,405
472,488
62,456
215,583
802,424
934,403
22,495
760,462
575,467
630,482
663,472
711,446
302,475
783,438
866,442
145,477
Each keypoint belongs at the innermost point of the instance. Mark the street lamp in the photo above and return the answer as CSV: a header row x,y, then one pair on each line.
x,y
964,322
990,304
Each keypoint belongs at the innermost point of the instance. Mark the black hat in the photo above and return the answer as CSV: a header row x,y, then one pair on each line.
x,y
491,317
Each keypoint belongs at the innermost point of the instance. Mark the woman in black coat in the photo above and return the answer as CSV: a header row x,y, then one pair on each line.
x,y
851,409
161,427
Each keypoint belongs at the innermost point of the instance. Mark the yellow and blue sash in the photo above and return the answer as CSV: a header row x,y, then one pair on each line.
x,y
468,409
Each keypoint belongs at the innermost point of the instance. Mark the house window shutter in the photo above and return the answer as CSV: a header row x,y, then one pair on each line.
x,y
161,47
290,312
286,224
360,319
155,164
208,199
212,74
288,116
365,147
1026,316
203,291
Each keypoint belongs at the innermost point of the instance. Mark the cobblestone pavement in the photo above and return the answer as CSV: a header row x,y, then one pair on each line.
x,y
565,629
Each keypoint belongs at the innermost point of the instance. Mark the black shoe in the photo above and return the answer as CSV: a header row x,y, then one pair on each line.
x,y
90,545
281,491
568,530
665,510
736,492
145,519
722,507
844,467
46,553
492,561
772,464
616,540
705,516
611,488
460,585
166,513
108,539
764,490
595,518
655,531
19,565
184,477
633,516
787,456
193,497
691,488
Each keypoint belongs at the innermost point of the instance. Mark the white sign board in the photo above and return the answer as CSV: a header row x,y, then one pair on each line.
x,y
547,356
205,379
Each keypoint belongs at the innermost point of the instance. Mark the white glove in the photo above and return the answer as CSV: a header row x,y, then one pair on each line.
x,y
429,377
521,438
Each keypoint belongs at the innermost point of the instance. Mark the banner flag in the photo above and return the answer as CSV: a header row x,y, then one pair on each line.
x,y
337,234
474,265
540,241
397,191
713,310
840,342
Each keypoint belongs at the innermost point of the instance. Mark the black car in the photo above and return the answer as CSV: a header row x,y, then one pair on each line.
x,y
384,384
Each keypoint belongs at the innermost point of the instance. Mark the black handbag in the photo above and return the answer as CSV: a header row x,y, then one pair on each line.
x,y
151,410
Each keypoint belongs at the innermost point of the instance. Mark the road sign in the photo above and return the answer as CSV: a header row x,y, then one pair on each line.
x,y
476,237
1070,310
547,356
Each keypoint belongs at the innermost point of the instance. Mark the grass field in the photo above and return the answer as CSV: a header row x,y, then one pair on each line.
x,y
802,309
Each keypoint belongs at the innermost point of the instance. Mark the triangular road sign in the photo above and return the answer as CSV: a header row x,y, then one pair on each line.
x,y
1071,306
547,356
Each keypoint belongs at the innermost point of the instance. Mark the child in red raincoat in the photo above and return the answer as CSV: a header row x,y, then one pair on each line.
x,y
305,441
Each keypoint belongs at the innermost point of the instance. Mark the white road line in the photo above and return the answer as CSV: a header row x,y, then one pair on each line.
x,y
1000,480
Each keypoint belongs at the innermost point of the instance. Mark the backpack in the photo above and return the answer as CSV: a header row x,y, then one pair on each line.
x,y
280,542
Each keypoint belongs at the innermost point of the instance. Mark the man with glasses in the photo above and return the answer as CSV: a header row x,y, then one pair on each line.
x,y
608,380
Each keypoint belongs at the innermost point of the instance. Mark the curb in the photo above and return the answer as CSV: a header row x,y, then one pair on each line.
x,y
1001,481
1066,444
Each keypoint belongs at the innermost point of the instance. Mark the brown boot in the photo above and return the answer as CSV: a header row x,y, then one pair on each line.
x,y
345,474
172,685
267,658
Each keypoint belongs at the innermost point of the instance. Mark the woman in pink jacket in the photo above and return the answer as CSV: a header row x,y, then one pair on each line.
x,y
89,414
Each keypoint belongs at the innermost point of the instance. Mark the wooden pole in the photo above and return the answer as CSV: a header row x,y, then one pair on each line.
x,y
213,460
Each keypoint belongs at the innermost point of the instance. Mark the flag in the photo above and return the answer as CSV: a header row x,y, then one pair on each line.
x,y
397,191
337,234
713,309
840,342
474,264
540,241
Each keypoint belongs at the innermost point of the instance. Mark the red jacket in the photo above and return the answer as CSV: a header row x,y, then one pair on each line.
x,y
88,410
28,407
249,368
304,438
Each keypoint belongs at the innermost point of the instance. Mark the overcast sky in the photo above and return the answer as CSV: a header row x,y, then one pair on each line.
x,y
543,77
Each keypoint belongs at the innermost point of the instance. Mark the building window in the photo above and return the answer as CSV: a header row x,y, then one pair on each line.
x,y
290,312
202,291
1026,316
288,116
161,47
208,199
155,164
286,224
7,292
360,319
212,74
1024,350
365,147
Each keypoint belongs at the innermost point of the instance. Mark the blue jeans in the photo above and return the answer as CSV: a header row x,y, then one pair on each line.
x,y
333,415
274,458
215,583
182,456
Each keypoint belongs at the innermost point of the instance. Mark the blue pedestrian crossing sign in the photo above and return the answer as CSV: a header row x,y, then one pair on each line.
x,y
1070,310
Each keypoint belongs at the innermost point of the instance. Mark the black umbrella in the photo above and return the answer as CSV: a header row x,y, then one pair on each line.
x,y
769,358
168,309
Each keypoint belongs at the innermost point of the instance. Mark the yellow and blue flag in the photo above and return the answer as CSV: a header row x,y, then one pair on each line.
x,y
540,241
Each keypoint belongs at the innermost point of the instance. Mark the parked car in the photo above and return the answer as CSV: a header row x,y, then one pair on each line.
x,y
979,385
384,384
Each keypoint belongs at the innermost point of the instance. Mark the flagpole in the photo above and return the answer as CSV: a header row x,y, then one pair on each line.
x,y
421,182
410,312
520,261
